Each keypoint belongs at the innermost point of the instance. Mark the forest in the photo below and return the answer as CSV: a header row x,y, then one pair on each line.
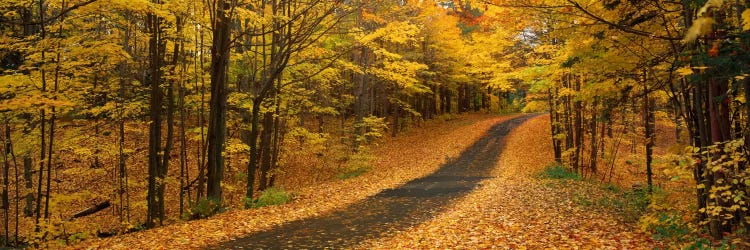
x,y
126,120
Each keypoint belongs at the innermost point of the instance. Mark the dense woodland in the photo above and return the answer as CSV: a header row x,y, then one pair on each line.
x,y
157,111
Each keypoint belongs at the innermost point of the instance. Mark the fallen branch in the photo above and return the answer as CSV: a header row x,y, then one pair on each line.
x,y
91,210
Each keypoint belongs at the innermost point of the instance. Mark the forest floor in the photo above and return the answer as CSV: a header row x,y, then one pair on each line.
x,y
467,183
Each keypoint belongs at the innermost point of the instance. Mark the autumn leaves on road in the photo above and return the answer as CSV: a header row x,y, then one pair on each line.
x,y
506,204
516,209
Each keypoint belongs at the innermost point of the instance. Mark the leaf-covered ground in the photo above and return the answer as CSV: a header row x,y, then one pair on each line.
x,y
514,209
518,210
415,154
391,210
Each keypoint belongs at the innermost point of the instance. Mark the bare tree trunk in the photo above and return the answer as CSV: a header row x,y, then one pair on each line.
x,y
52,120
122,191
568,121
253,141
154,212
554,124
578,123
217,115
6,185
701,142
720,127
184,173
360,95
27,177
396,118
200,190
123,184
42,128
277,135
10,150
594,142
265,144
648,109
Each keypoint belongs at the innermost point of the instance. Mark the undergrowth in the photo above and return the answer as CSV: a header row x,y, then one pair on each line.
x,y
204,208
270,197
630,204
559,172
356,165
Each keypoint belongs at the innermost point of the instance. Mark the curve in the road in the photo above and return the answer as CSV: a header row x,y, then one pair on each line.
x,y
391,210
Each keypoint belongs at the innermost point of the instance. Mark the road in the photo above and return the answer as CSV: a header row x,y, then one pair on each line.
x,y
391,210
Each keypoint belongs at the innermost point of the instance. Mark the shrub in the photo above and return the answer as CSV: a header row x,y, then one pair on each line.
x,y
374,128
448,117
204,209
271,197
351,173
630,203
559,172
356,165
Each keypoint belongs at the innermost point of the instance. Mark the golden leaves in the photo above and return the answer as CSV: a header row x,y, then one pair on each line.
x,y
516,211
395,32
701,26
684,71
710,3
704,24
746,19
433,143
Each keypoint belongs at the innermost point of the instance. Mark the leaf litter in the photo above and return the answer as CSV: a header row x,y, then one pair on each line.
x,y
517,210
398,160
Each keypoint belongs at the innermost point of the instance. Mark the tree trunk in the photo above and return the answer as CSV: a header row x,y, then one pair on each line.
x,y
396,118
567,113
578,123
700,142
554,124
648,110
42,129
265,144
122,171
253,141
720,127
184,173
360,99
200,190
27,177
154,210
12,153
6,185
218,104
594,142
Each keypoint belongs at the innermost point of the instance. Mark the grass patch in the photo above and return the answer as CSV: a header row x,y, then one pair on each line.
x,y
356,165
670,226
351,173
203,209
271,197
628,204
559,172
448,117
631,204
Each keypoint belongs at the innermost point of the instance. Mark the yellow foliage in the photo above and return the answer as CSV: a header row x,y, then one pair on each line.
x,y
746,19
684,71
701,26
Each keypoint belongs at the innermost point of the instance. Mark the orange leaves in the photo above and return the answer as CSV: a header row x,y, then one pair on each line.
x,y
400,159
514,210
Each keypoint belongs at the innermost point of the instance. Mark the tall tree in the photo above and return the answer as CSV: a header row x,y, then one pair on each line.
x,y
217,121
